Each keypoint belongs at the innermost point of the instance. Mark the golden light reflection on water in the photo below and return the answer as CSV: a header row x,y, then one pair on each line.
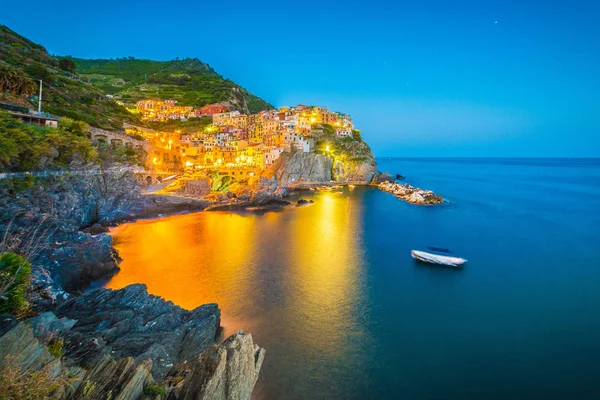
x,y
288,277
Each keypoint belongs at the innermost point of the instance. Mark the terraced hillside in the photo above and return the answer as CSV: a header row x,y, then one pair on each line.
x,y
189,81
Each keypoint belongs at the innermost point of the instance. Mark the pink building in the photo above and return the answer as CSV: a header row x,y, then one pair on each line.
x,y
211,109
271,154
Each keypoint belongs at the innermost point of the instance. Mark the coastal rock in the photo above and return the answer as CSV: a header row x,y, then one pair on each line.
x,y
303,202
119,380
56,208
76,259
96,229
399,177
264,193
197,188
381,177
358,170
19,348
297,168
132,323
158,204
411,194
226,371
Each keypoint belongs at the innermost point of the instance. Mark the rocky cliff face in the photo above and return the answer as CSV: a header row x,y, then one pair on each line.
x,y
300,167
313,168
358,170
118,343
132,323
58,207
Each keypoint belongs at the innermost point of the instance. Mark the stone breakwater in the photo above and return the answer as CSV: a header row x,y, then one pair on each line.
x,y
411,194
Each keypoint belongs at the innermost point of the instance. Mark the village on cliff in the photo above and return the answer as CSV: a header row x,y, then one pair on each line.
x,y
235,144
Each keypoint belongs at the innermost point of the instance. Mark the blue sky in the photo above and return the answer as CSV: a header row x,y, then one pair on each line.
x,y
420,78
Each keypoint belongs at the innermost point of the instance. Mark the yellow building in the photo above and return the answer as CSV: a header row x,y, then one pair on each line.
x,y
240,121
253,154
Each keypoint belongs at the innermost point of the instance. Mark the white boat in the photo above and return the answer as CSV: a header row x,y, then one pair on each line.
x,y
438,258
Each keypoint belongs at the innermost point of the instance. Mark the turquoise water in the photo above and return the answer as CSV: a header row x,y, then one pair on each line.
x,y
331,292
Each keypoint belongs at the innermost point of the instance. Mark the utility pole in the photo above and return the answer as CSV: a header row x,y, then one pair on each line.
x,y
40,99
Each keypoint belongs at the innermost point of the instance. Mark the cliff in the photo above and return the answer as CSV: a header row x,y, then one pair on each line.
x,y
57,208
124,343
314,168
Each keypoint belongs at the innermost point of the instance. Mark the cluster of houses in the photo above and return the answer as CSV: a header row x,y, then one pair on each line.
x,y
247,142
157,110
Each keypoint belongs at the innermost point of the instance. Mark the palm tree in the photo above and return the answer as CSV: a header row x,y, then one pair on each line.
x,y
14,81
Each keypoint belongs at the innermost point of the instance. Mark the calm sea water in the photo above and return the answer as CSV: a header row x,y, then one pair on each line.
x,y
331,292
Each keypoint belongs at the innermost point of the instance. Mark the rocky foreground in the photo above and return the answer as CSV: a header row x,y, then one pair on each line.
x,y
410,193
125,344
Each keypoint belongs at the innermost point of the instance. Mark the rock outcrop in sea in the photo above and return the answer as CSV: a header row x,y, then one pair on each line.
x,y
117,343
410,193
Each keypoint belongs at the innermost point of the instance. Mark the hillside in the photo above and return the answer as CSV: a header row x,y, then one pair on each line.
x,y
189,81
77,88
65,93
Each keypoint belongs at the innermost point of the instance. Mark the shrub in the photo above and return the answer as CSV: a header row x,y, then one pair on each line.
x,y
56,347
155,390
16,384
15,273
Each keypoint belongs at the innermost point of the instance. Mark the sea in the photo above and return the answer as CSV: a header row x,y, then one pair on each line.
x,y
331,292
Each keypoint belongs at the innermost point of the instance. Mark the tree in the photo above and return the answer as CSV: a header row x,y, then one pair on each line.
x,y
38,71
15,81
67,65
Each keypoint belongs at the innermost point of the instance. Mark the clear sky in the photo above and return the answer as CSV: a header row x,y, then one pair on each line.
x,y
420,78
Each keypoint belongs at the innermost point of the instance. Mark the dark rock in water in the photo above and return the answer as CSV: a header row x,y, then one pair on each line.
x,y
303,202
400,177
96,229
381,177
80,259
132,323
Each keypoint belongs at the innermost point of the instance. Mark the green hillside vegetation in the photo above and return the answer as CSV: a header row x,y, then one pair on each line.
x,y
65,93
347,148
25,147
77,88
189,81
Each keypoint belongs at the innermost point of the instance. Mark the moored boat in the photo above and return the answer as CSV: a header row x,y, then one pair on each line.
x,y
439,259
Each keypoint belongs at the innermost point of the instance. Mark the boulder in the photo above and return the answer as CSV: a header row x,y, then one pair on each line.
x,y
303,202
